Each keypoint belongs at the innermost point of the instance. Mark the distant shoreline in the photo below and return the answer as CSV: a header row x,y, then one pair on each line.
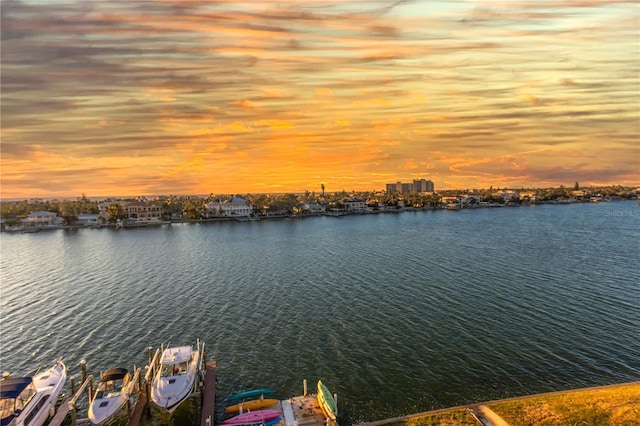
x,y
257,218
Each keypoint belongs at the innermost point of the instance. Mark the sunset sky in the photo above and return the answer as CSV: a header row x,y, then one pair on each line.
x,y
197,97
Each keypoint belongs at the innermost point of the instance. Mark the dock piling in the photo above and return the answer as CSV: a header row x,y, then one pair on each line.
x,y
304,387
83,370
90,389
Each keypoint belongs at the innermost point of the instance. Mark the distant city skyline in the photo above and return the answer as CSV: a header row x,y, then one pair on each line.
x,y
180,97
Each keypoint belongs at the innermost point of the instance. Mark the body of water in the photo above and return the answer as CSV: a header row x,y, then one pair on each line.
x,y
396,313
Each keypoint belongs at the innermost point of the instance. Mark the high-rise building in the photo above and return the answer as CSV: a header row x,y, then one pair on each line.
x,y
421,185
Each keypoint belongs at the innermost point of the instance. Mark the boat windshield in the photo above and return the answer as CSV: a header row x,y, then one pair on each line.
x,y
108,388
174,369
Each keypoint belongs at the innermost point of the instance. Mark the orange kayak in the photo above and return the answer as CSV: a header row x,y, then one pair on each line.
x,y
256,404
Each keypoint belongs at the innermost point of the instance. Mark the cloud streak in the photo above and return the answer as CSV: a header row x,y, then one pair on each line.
x,y
223,97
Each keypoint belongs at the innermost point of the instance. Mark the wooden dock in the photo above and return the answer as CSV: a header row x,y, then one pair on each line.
x,y
207,415
138,410
303,410
61,413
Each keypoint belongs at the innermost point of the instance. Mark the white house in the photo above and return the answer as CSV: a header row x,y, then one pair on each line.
x,y
355,205
508,195
42,218
89,219
237,207
313,207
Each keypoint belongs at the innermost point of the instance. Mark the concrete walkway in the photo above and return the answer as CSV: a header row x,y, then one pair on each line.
x,y
487,416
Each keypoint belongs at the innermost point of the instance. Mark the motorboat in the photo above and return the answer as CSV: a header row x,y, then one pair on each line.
x,y
112,393
176,376
31,400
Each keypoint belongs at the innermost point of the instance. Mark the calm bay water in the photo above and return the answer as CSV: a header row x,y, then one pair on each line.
x,y
396,313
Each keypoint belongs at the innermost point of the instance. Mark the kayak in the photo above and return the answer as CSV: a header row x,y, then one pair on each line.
x,y
327,402
253,405
253,417
250,394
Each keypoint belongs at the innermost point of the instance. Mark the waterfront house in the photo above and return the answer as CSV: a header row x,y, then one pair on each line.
x,y
469,200
42,219
509,195
237,207
451,199
143,211
312,208
355,205
528,196
89,219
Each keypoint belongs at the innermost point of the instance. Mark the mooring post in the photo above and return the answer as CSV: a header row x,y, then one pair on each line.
x,y
72,379
304,387
150,354
74,415
83,370
90,389
148,402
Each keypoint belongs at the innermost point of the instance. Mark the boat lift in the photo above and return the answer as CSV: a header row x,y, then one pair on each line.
x,y
154,364
87,383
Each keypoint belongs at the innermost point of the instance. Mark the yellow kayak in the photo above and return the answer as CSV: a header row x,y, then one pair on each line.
x,y
327,402
256,404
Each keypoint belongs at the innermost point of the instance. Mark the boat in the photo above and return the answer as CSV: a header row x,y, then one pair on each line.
x,y
113,391
176,376
31,400
327,402
250,394
252,405
254,417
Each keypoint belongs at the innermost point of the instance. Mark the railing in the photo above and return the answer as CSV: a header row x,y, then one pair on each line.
x,y
88,381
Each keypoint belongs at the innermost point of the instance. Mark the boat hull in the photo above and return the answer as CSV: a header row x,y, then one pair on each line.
x,y
47,384
176,377
111,395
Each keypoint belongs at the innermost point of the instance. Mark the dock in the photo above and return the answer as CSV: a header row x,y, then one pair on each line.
x,y
207,415
138,410
61,413
302,410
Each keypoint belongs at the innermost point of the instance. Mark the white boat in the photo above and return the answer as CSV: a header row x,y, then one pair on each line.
x,y
112,393
30,401
176,376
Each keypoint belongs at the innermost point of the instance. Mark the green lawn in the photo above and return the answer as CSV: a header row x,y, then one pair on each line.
x,y
460,417
615,406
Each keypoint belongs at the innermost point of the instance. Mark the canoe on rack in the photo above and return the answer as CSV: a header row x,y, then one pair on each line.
x,y
250,394
327,402
252,405
253,417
